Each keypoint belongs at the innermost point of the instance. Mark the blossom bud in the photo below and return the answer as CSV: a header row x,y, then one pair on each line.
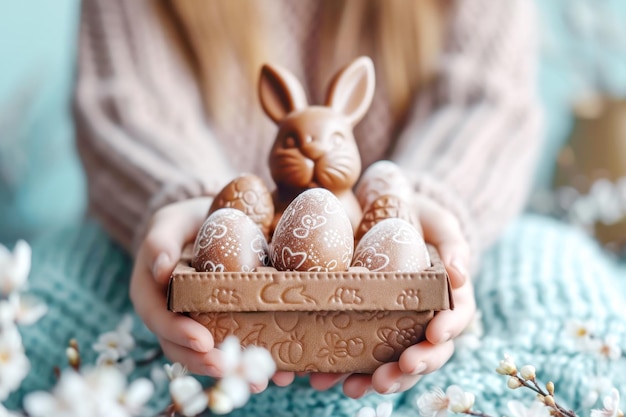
x,y
620,413
550,387
507,366
73,343
460,401
73,357
514,382
528,372
549,401
220,402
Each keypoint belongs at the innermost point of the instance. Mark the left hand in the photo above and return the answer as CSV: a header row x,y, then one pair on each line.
x,y
442,229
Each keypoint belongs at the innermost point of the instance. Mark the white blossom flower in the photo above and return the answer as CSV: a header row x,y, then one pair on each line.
x,y
537,409
119,339
460,401
598,385
14,267
507,366
111,357
21,309
14,365
580,329
137,395
188,396
611,406
610,349
253,365
257,365
174,370
433,404
8,312
384,409
235,388
231,354
100,392
30,310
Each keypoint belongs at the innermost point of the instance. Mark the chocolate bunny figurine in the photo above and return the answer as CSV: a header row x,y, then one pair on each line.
x,y
315,146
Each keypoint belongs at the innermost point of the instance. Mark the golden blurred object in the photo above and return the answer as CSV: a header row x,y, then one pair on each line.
x,y
595,159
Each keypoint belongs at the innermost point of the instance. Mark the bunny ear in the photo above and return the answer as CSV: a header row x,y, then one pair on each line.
x,y
352,89
280,92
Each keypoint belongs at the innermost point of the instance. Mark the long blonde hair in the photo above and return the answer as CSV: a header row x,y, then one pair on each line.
x,y
403,38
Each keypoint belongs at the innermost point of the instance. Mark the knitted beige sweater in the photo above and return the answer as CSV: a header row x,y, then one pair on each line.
x,y
145,140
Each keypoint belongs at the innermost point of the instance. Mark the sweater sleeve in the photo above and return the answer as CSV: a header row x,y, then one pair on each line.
x,y
141,131
474,135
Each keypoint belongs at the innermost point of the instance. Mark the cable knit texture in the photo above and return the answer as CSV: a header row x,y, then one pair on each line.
x,y
145,139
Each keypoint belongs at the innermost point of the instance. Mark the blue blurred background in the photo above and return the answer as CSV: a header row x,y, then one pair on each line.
x,y
41,182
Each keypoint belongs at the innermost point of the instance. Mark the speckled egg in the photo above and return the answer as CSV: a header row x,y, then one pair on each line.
x,y
385,207
313,234
229,241
249,194
392,245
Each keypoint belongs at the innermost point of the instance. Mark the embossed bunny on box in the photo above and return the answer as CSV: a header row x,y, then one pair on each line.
x,y
280,270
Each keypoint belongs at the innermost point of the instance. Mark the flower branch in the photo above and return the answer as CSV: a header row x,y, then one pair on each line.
x,y
526,378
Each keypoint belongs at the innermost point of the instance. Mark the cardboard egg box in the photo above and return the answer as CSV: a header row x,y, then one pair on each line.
x,y
350,321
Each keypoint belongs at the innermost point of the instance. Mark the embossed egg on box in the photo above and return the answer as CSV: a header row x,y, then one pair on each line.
x,y
229,241
313,234
392,245
249,194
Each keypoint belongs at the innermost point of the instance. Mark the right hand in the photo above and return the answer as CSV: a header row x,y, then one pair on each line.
x,y
182,339
442,229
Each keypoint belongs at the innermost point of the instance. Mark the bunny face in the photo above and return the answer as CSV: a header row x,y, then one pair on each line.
x,y
315,147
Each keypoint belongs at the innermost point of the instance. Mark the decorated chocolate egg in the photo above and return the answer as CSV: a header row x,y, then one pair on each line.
x,y
385,207
392,245
382,177
249,194
313,234
229,241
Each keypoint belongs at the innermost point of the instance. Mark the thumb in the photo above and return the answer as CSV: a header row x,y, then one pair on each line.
x,y
442,229
171,229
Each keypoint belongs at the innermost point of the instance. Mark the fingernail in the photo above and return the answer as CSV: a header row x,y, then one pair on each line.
x,y
161,262
419,368
256,389
211,371
368,391
393,389
197,345
459,265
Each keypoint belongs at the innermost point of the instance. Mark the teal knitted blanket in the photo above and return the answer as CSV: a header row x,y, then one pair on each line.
x,y
540,276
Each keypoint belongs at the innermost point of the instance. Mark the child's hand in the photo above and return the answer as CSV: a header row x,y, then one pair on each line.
x,y
441,229
182,339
